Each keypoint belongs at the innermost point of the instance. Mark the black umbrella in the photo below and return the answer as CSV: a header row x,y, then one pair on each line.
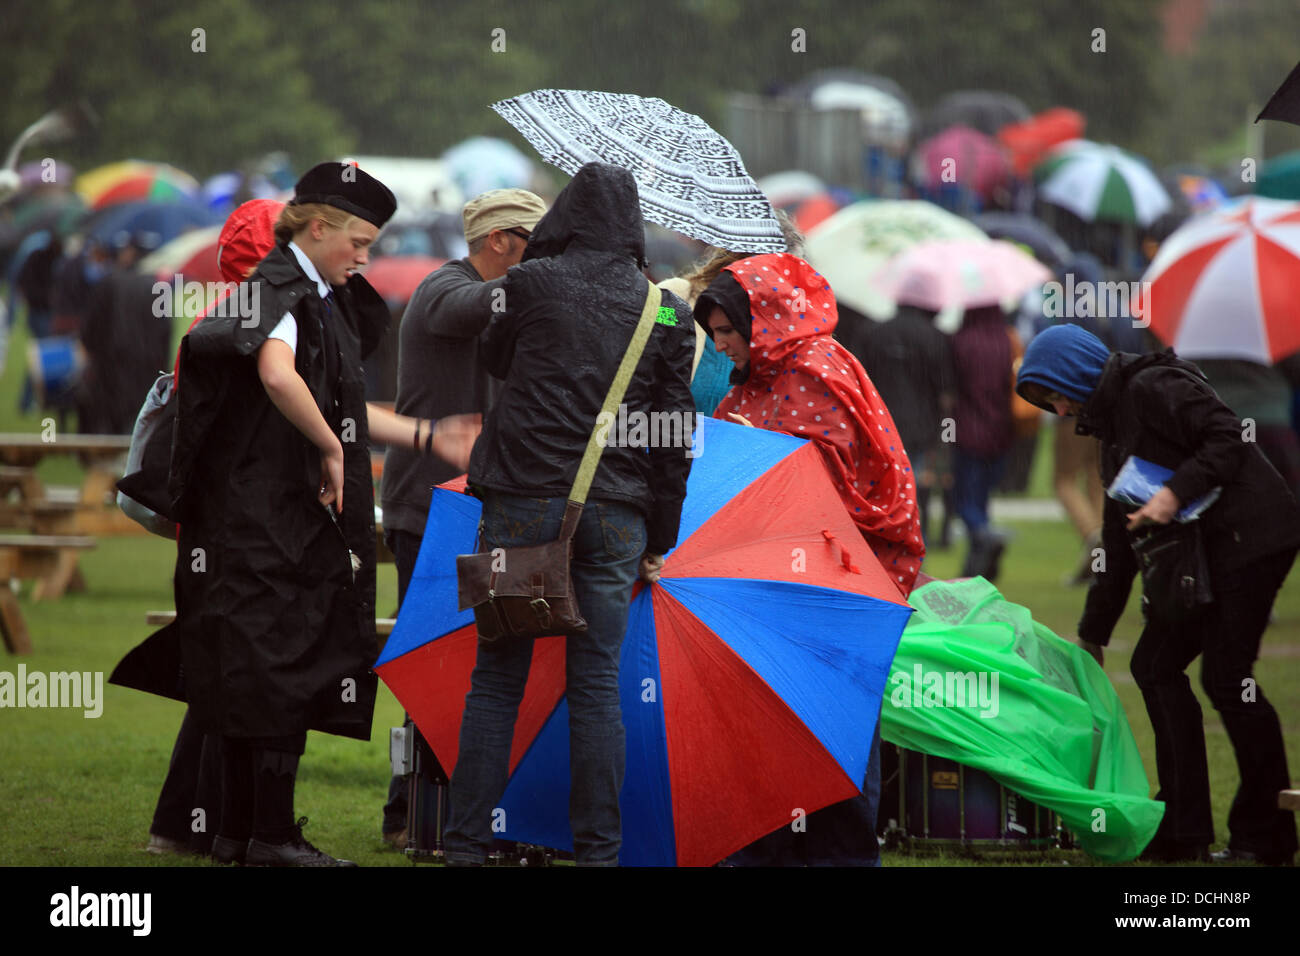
x,y
1284,104
985,110
1047,247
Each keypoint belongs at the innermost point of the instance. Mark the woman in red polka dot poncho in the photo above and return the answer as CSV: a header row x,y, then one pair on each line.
x,y
773,315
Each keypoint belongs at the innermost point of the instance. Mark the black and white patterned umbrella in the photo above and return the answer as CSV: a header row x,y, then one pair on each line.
x,y
691,180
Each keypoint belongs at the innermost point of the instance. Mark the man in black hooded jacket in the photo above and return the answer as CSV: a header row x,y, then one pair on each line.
x,y
571,308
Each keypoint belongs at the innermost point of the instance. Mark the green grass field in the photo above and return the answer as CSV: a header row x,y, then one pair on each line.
x,y
79,791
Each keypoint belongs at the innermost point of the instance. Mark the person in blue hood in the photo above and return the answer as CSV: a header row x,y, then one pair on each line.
x,y
1161,409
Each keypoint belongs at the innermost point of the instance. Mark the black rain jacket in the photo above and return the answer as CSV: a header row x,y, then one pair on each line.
x,y
274,633
570,310
1161,408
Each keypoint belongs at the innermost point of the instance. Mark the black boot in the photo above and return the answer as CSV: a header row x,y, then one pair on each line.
x,y
985,555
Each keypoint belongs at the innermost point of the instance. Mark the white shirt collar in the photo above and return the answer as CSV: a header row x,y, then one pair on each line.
x,y
310,268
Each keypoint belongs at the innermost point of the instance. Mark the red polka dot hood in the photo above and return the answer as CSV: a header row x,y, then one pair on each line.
x,y
802,382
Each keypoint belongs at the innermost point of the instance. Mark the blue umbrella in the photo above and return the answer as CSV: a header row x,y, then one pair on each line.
x,y
751,673
166,221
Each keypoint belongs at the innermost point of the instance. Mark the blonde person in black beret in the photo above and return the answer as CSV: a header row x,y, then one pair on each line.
x,y
272,489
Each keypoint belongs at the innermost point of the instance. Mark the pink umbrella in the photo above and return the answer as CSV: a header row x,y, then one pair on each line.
x,y
1227,283
965,157
959,274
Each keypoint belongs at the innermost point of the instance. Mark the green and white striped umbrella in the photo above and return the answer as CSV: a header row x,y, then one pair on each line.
x,y
1101,183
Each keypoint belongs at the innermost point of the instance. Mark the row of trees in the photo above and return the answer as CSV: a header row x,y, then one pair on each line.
x,y
212,82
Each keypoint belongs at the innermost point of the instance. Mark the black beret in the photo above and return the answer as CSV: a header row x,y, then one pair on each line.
x,y
346,187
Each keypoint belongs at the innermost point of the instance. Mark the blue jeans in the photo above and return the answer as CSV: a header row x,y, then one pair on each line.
x,y
973,480
607,548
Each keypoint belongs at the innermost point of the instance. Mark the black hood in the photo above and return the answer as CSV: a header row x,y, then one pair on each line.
x,y
1097,414
599,210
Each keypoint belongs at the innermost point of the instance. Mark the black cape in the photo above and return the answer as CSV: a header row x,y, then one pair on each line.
x,y
274,632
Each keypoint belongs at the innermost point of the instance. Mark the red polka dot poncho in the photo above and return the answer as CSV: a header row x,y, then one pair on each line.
x,y
802,382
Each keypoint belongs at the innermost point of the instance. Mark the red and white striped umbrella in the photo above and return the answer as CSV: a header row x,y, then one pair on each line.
x,y
1227,283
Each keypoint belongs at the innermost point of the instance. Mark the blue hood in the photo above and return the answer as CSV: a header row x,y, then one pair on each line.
x,y
1065,359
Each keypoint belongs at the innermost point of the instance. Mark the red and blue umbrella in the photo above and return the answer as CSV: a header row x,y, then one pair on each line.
x,y
751,673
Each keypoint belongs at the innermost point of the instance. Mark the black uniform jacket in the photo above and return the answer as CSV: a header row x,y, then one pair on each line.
x,y
275,632
1161,408
570,310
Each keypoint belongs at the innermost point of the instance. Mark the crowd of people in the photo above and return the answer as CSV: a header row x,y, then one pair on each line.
x,y
520,338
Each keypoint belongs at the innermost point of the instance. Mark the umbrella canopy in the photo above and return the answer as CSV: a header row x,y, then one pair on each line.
x,y
38,174
1284,104
1225,285
1199,192
790,186
481,163
1030,140
1279,177
165,220
952,275
1026,230
888,116
397,277
57,211
689,177
985,110
191,255
1098,182
222,190
963,156
850,246
750,673
810,213
133,180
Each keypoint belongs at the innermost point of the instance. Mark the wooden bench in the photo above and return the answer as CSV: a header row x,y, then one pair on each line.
x,y
1288,800
383,625
95,511
52,561
22,480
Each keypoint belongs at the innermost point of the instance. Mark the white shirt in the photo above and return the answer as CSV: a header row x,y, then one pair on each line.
x,y
286,330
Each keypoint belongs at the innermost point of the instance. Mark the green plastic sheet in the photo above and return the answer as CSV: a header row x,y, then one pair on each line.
x,y
978,681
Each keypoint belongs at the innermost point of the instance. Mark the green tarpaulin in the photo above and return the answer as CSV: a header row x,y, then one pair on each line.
x,y
978,681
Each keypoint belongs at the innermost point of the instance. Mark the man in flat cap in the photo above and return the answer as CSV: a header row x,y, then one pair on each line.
x,y
439,374
275,577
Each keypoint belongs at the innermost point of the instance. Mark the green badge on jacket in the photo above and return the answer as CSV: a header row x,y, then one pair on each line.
x,y
667,315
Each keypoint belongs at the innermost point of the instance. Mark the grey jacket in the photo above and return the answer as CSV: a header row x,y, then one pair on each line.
x,y
439,374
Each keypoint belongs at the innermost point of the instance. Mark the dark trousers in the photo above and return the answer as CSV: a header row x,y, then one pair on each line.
x,y
189,805
1228,635
257,783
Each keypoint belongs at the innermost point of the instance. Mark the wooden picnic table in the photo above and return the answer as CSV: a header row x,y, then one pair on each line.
x,y
93,512
58,528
